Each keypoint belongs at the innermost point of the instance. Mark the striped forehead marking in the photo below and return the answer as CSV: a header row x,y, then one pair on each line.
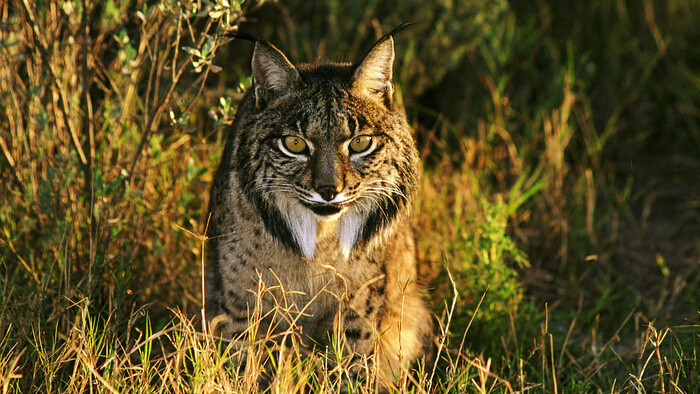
x,y
328,120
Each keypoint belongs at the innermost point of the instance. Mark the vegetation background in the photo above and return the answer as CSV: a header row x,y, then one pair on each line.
x,y
560,212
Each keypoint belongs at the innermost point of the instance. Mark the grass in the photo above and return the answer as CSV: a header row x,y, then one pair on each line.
x,y
559,219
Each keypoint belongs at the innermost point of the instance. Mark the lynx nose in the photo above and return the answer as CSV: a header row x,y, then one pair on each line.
x,y
328,192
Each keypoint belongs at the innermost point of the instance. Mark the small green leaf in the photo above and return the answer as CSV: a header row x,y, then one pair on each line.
x,y
192,51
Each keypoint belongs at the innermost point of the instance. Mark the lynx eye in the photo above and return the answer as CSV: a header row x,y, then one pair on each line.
x,y
294,144
360,143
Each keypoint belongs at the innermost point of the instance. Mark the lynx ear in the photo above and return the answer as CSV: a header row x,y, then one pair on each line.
x,y
373,76
274,75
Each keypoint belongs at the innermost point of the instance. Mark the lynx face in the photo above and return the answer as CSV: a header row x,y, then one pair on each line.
x,y
326,144
328,164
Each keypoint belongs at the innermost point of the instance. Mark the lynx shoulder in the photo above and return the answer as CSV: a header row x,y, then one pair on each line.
x,y
310,208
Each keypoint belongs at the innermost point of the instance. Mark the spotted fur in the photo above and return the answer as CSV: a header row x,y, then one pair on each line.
x,y
329,228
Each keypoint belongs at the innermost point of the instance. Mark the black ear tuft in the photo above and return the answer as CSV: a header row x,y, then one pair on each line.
x,y
242,36
401,27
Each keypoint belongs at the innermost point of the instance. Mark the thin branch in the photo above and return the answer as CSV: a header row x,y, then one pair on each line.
x,y
152,120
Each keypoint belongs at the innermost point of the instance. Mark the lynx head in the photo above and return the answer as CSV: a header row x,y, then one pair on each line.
x,y
316,143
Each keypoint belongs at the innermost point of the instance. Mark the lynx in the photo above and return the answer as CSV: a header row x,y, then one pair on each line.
x,y
312,201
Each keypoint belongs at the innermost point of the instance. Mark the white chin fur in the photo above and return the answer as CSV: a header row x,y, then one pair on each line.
x,y
302,222
349,230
